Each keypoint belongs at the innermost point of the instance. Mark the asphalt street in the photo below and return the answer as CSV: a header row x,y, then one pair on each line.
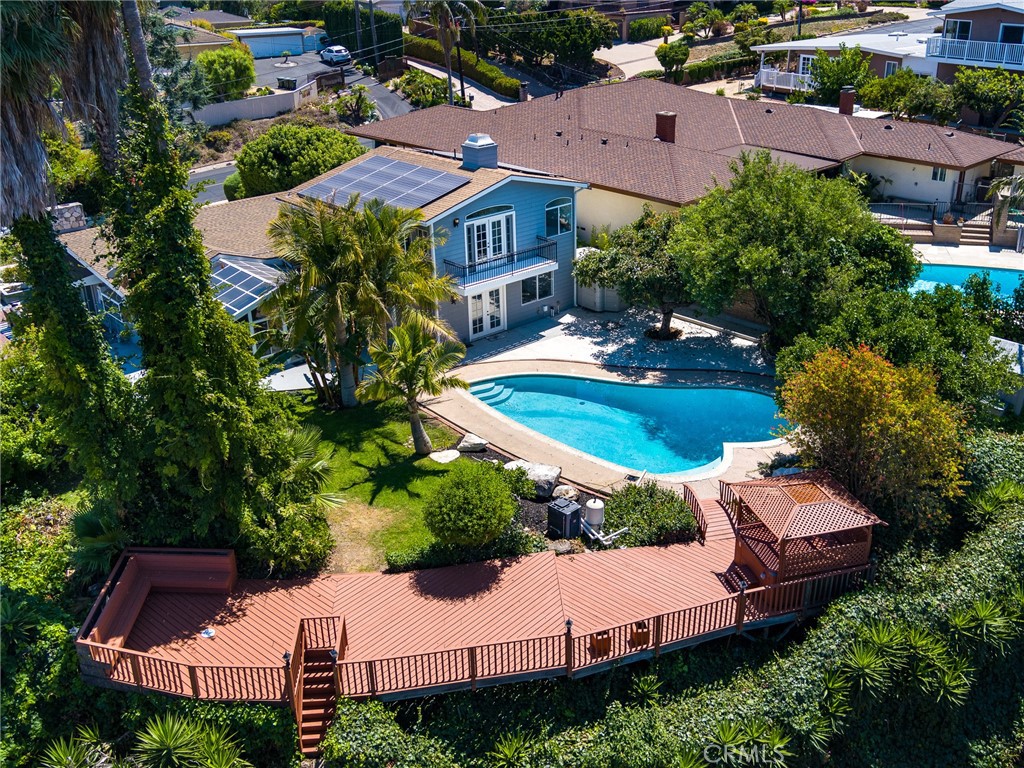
x,y
214,192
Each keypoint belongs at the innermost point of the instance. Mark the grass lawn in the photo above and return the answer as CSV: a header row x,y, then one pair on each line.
x,y
382,481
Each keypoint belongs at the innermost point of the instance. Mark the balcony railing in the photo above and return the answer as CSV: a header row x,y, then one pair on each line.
x,y
482,270
977,51
776,78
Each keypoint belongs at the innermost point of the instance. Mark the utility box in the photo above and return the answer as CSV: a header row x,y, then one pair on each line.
x,y
287,83
563,519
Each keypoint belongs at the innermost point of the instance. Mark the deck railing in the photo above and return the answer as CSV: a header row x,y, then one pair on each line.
x,y
777,78
698,514
482,270
978,51
551,656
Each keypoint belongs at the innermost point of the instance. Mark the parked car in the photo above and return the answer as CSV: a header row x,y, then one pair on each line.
x,y
335,54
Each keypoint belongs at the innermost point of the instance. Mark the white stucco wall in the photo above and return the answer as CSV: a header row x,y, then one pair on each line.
x,y
909,181
598,208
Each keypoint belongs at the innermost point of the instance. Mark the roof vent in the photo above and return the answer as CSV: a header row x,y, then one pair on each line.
x,y
887,128
558,133
769,111
479,151
949,134
604,141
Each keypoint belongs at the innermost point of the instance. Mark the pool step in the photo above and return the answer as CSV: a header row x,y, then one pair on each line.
x,y
491,393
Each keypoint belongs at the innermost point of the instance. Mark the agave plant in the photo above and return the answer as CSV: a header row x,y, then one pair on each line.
x,y
510,750
646,690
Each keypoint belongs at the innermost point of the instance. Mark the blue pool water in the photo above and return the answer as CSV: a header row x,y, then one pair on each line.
x,y
1003,280
663,429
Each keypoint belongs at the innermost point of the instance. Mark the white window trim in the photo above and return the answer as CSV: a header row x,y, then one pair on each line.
x,y
502,298
472,224
554,205
536,280
1003,26
958,23
891,68
938,173
805,59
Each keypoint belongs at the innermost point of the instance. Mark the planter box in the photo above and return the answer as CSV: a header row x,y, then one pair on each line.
x,y
601,644
640,634
946,233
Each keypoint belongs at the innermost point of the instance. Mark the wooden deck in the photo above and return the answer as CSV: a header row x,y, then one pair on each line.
x,y
398,635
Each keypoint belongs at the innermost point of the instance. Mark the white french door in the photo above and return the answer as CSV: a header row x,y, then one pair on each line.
x,y
490,238
486,313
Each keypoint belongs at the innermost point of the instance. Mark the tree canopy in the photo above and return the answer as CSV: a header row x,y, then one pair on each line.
x,y
833,73
907,94
229,72
672,56
782,238
992,93
287,155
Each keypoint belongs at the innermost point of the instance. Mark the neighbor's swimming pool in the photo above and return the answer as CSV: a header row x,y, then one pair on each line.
x,y
1003,280
661,429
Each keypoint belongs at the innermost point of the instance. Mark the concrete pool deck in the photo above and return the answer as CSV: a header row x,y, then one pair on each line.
x,y
980,256
610,347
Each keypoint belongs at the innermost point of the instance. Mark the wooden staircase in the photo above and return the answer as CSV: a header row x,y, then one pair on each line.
x,y
319,699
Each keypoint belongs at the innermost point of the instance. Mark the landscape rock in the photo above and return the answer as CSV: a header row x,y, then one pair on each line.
x,y
471,444
544,476
565,492
560,547
445,457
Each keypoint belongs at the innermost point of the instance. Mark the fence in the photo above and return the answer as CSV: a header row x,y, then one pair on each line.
x,y
256,107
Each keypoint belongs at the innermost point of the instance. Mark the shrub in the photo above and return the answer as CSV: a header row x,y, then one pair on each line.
x,y
647,29
471,505
229,71
75,173
367,735
233,189
423,90
475,68
654,515
651,74
514,541
887,16
293,541
218,140
993,456
288,155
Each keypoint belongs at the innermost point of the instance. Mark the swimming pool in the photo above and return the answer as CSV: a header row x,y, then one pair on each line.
x,y
1003,280
658,428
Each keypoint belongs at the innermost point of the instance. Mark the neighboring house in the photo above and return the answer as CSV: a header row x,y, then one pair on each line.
x,y
978,33
507,238
889,52
191,41
217,19
1013,351
271,42
646,141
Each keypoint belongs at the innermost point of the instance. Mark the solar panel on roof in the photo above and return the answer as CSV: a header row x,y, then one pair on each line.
x,y
393,181
241,284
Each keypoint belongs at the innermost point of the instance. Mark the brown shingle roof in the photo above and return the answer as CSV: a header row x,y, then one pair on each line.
x,y
90,247
709,130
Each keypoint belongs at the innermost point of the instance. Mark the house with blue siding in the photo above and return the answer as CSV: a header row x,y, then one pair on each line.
x,y
506,237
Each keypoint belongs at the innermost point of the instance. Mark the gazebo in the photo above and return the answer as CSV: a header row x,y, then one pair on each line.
x,y
797,525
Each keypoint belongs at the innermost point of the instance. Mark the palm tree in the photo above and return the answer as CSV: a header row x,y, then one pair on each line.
x,y
414,363
317,240
448,17
1010,186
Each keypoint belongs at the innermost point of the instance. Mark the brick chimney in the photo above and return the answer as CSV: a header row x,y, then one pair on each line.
x,y
479,151
665,126
847,97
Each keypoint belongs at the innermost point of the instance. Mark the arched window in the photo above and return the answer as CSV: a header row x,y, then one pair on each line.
x,y
490,233
558,216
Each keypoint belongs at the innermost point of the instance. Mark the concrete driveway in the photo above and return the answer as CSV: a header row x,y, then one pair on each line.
x,y
268,70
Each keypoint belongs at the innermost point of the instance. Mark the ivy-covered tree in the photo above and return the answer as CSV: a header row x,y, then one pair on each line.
x,y
287,155
882,430
785,240
639,266
229,72
830,74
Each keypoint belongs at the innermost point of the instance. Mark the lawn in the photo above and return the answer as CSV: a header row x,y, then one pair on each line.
x,y
382,481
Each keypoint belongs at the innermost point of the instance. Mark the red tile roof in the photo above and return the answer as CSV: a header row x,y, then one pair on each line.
x,y
566,136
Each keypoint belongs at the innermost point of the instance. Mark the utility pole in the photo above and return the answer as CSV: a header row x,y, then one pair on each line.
x,y
799,17
359,30
458,55
373,37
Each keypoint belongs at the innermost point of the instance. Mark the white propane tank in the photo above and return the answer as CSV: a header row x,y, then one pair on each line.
x,y
595,514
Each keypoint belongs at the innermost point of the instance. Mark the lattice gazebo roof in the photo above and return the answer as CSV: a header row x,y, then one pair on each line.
x,y
802,505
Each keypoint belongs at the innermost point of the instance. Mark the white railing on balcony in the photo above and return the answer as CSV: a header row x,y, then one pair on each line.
x,y
775,78
976,51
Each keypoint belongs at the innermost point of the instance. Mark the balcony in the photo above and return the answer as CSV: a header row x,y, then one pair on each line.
x,y
976,51
776,79
539,258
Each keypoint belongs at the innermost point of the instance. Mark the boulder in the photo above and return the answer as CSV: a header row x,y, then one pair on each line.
x,y
445,457
560,547
565,492
471,444
544,476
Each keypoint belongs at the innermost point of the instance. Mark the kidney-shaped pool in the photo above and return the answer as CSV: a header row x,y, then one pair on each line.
x,y
663,429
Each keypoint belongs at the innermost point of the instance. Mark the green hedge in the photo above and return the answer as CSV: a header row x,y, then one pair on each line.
x,y
647,29
703,71
475,68
654,515
993,456
340,24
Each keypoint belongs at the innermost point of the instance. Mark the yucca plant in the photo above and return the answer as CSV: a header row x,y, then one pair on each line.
x,y
988,505
18,621
646,690
953,681
728,734
690,759
169,741
866,666
85,750
890,641
510,750
990,624
219,748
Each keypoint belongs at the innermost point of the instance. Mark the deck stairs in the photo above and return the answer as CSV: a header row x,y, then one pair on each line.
x,y
491,393
319,699
976,232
